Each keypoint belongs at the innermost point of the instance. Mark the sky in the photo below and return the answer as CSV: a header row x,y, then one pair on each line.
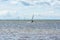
x,y
25,9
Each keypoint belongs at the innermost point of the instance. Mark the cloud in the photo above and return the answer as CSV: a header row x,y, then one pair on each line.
x,y
25,3
13,2
23,9
3,12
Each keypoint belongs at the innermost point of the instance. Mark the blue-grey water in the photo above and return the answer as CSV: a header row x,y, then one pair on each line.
x,y
26,30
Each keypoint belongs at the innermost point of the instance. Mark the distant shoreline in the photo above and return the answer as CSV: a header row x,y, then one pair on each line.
x,y
33,20
30,21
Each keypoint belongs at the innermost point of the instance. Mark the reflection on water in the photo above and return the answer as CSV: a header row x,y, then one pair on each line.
x,y
17,30
24,36
28,24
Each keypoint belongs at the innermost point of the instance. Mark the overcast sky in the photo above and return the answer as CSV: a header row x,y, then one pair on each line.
x,y
24,9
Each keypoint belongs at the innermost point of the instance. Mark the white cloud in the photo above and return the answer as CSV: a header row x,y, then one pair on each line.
x,y
49,13
12,13
27,12
3,12
13,2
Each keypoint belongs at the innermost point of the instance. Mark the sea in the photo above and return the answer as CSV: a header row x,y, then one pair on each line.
x,y
28,30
